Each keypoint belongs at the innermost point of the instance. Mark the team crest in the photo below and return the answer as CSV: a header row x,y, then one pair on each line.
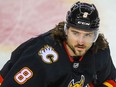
x,y
77,84
48,54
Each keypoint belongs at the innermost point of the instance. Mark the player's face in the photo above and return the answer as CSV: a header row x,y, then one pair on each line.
x,y
78,41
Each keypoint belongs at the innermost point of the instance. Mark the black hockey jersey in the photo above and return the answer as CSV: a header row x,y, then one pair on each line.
x,y
42,62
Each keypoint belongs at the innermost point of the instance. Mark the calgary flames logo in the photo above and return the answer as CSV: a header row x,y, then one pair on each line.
x,y
48,54
77,84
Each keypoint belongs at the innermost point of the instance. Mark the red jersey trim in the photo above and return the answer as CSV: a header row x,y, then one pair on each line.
x,y
91,85
1,79
69,54
110,83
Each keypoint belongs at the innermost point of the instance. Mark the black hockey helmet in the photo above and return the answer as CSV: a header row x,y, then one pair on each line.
x,y
84,16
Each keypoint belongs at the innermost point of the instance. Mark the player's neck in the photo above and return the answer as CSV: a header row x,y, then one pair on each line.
x,y
70,51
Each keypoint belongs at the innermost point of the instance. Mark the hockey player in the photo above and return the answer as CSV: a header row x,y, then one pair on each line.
x,y
73,54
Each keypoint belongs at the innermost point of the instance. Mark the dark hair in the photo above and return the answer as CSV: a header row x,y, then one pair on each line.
x,y
58,34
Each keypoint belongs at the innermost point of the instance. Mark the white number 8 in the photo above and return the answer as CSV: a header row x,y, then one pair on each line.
x,y
23,75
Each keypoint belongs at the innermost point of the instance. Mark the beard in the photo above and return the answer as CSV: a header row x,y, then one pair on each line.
x,y
79,53
79,50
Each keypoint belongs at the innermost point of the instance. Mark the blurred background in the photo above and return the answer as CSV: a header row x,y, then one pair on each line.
x,y
21,20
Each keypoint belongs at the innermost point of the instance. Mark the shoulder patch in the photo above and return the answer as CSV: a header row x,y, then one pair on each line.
x,y
48,54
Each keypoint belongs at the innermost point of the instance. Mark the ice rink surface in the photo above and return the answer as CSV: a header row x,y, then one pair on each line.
x,y
23,19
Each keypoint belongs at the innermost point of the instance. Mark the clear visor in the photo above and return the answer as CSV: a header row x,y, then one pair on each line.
x,y
89,37
96,33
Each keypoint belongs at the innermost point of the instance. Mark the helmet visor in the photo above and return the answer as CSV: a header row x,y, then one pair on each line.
x,y
88,37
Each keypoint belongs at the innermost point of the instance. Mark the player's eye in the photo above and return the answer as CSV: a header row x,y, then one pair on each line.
x,y
75,33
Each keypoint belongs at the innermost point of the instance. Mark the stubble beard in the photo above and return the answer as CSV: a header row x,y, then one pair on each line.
x,y
79,52
76,51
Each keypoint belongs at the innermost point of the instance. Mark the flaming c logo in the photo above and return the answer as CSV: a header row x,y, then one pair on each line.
x,y
77,84
48,54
